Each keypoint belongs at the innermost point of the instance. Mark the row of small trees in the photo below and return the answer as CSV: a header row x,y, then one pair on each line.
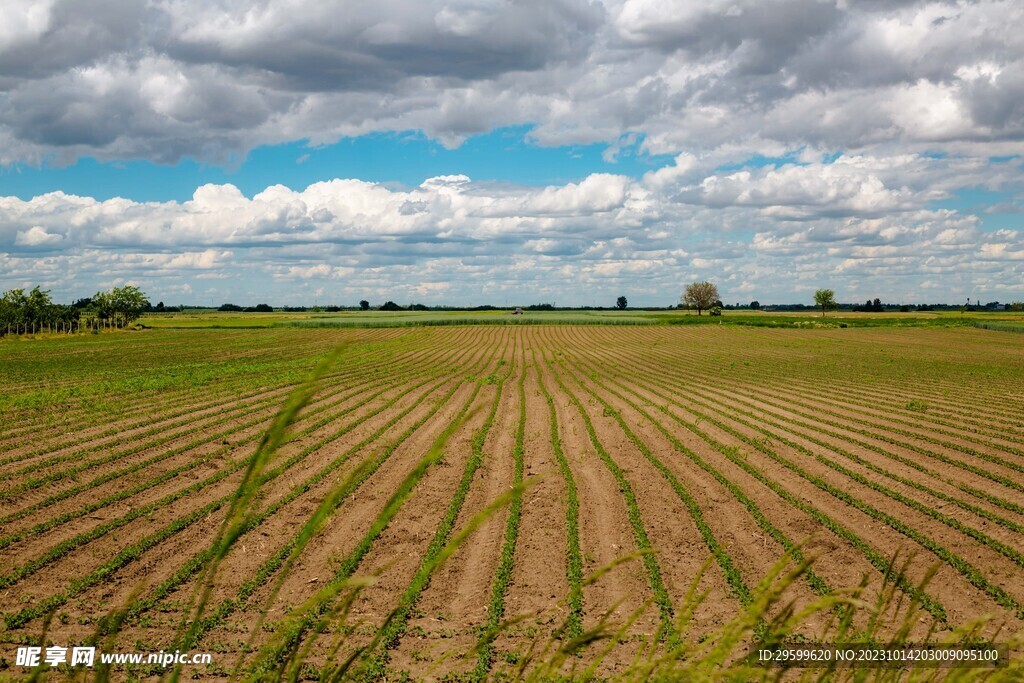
x,y
33,311
704,297
28,312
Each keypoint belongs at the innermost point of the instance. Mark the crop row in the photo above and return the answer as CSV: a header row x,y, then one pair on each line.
x,y
970,573
274,563
190,464
851,422
691,412
135,550
734,393
292,630
157,376
197,563
183,412
194,421
392,632
731,574
871,404
640,537
806,431
735,388
506,561
822,374
642,376
63,548
573,626
771,359
816,583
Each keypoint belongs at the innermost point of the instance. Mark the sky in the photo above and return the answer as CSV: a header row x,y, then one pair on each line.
x,y
513,151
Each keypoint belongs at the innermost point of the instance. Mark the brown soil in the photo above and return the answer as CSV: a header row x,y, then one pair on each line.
x,y
673,375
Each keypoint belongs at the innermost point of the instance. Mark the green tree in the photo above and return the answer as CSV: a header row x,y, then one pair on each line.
x,y
120,306
825,298
364,305
102,306
12,310
700,295
36,304
621,303
128,303
34,311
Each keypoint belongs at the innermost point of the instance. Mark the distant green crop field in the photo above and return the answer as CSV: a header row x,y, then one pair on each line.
x,y
798,319
215,319
434,318
1000,325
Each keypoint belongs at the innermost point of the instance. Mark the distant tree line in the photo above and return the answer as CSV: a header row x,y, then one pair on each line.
x,y
619,304
33,311
30,312
870,306
159,308
258,308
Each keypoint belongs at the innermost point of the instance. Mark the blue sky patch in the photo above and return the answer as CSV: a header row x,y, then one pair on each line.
x,y
406,158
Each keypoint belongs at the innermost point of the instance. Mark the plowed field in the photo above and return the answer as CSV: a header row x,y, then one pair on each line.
x,y
717,448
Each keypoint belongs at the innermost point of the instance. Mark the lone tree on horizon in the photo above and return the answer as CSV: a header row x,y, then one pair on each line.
x,y
700,295
621,303
825,298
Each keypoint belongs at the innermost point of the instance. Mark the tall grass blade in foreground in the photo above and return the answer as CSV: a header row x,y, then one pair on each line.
x,y
311,615
241,509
